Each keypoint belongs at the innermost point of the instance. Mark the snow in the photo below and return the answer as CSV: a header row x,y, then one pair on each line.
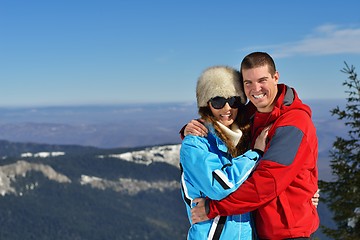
x,y
352,221
9,173
127,185
42,154
167,153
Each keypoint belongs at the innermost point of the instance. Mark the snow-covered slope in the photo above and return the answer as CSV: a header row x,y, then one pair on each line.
x,y
10,173
167,153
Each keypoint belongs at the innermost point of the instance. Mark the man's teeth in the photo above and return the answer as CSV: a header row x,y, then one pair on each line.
x,y
258,96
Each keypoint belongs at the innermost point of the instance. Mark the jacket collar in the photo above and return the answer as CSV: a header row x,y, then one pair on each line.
x,y
234,133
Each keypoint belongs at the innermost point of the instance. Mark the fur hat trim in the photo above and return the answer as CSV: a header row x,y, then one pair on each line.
x,y
219,81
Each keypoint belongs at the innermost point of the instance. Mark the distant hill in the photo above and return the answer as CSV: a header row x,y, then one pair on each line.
x,y
73,192
86,193
136,125
97,126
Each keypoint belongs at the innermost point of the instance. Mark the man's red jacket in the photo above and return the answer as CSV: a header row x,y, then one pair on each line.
x,y
279,191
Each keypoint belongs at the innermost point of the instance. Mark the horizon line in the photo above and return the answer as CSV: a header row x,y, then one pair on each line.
x,y
131,104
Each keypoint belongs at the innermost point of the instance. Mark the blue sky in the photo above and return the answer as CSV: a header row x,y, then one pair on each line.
x,y
74,52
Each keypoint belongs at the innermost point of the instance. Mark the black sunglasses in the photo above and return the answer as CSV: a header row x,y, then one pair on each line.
x,y
219,102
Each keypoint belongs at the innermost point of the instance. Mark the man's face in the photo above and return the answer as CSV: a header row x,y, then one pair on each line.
x,y
260,87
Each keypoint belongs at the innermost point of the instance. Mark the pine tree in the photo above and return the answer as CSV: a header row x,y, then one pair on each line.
x,y
342,196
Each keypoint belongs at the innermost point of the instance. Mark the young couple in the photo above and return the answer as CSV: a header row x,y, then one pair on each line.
x,y
222,182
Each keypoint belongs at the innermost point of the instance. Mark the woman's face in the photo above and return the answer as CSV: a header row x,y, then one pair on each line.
x,y
225,115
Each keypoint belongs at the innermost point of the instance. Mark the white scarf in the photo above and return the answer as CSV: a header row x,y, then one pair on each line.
x,y
233,133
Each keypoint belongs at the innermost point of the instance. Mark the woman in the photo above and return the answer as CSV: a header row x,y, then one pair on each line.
x,y
215,166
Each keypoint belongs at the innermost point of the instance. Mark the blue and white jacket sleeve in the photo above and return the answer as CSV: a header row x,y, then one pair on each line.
x,y
210,172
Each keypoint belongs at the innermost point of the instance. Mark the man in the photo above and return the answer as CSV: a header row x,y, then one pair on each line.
x,y
279,191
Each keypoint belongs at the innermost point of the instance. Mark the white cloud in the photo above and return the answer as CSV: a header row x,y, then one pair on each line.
x,y
326,40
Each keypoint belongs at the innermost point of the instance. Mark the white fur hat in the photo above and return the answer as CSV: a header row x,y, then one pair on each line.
x,y
219,81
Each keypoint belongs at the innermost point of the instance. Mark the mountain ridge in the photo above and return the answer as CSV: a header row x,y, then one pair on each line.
x,y
130,125
68,192
71,191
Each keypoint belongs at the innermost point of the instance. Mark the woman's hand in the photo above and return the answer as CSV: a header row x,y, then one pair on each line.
x,y
196,127
260,141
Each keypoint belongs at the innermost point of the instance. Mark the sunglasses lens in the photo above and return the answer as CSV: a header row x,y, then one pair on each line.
x,y
234,102
218,102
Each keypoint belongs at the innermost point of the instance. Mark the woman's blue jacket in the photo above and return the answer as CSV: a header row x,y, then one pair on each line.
x,y
209,171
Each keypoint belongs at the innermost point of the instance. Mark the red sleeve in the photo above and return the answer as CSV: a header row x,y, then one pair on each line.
x,y
249,196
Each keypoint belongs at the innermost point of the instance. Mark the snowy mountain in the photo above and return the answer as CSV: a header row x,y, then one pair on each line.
x,y
165,154
168,154
52,191
88,193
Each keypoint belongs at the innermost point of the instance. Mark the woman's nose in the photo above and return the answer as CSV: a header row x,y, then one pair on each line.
x,y
227,106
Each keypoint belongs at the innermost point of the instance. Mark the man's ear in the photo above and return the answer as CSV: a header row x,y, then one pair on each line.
x,y
276,77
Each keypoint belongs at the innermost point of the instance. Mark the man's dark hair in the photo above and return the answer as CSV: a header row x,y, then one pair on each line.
x,y
258,59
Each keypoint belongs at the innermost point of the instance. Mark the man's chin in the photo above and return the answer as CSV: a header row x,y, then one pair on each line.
x,y
258,102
